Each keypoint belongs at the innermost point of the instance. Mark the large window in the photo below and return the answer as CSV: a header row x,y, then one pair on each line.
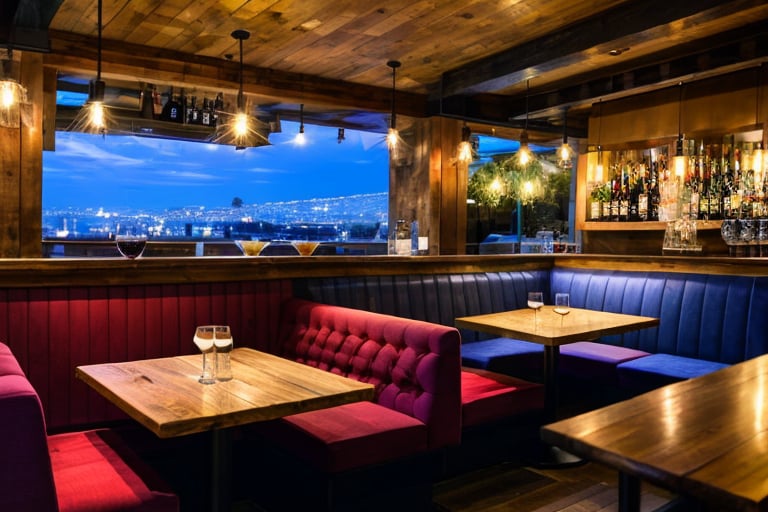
x,y
329,188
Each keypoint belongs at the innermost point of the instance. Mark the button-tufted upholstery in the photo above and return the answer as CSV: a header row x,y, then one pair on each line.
x,y
413,365
75,471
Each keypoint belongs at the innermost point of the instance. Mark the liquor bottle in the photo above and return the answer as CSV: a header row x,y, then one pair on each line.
x,y
624,203
726,191
157,104
642,193
172,110
715,191
206,118
193,114
704,188
654,194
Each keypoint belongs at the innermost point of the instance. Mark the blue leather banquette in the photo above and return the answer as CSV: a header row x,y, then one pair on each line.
x,y
707,321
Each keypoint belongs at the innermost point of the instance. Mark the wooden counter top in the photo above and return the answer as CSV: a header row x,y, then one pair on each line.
x,y
44,272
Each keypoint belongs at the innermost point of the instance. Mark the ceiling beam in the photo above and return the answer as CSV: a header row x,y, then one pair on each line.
x,y
77,53
24,23
631,78
630,23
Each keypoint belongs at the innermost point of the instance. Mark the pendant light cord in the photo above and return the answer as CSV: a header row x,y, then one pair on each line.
x,y
98,43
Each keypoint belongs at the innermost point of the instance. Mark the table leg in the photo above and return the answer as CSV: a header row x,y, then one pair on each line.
x,y
551,388
629,493
552,457
221,470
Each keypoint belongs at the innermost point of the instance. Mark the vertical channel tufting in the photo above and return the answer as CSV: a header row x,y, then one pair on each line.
x,y
402,305
671,305
756,338
735,316
712,311
692,302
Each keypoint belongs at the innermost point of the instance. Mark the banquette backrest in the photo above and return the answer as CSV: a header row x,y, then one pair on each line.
x,y
437,298
414,365
714,317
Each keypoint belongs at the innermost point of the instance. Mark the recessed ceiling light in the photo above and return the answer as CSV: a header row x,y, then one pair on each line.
x,y
617,51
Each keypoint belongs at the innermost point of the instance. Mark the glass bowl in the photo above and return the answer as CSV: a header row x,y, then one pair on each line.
x,y
251,247
304,247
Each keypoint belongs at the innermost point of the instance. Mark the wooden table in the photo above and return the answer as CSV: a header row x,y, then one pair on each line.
x,y
165,396
552,331
705,438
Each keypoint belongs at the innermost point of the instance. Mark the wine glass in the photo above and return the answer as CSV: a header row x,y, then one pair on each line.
x,y
223,344
305,247
535,302
204,339
562,305
251,247
131,239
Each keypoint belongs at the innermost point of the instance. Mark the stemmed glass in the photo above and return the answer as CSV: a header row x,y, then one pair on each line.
x,y
562,305
535,302
204,339
223,344
131,239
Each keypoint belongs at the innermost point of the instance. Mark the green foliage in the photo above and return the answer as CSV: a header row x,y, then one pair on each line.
x,y
237,202
488,185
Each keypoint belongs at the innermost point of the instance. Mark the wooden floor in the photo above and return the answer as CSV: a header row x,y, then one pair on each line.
x,y
511,487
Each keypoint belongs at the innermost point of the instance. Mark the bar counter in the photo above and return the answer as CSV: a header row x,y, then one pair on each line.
x,y
44,272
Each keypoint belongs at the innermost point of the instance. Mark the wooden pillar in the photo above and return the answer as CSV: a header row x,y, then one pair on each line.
x,y
427,184
21,162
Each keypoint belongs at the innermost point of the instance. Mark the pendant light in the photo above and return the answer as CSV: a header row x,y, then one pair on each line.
x,y
301,139
599,167
242,121
93,116
564,152
465,146
679,161
12,94
524,153
393,135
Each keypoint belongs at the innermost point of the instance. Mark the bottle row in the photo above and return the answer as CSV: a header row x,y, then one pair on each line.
x,y
704,180
182,108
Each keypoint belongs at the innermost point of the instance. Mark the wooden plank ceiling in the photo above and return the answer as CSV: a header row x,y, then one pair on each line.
x,y
485,61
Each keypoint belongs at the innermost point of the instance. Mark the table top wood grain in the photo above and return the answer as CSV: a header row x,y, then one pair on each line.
x,y
707,437
550,329
165,396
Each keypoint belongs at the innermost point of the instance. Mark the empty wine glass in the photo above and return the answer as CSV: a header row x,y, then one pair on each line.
x,y
204,339
535,302
562,305
223,344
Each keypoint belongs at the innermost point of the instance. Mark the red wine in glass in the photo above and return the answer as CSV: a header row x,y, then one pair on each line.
x,y
131,248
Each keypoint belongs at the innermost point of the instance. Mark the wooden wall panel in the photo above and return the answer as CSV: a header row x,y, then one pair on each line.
x,y
53,330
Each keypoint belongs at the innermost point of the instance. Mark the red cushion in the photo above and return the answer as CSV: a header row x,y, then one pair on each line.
x,y
91,476
349,436
488,396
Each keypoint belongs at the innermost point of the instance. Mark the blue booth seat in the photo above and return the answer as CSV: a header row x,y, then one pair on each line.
x,y
707,321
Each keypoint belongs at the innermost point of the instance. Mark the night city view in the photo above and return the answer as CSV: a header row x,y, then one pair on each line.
x,y
324,190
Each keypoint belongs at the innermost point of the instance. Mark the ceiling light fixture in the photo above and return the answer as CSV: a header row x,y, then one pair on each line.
x,y
301,139
12,94
524,155
679,161
565,150
93,116
241,127
465,146
599,167
393,135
